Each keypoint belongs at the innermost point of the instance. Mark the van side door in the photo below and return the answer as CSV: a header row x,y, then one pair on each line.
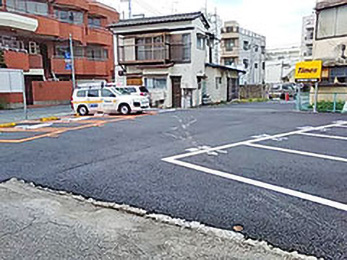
x,y
108,104
94,100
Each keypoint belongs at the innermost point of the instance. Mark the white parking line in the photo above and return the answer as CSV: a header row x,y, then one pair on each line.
x,y
261,139
278,149
293,193
326,136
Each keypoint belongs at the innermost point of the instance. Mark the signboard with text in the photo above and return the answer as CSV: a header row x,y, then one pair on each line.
x,y
309,71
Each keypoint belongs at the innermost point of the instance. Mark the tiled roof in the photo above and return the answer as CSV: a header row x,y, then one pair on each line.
x,y
161,19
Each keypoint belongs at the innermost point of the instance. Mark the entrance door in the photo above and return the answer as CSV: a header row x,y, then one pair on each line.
x,y
232,89
176,92
46,61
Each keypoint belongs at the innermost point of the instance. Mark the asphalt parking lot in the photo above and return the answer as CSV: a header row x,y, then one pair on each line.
x,y
278,173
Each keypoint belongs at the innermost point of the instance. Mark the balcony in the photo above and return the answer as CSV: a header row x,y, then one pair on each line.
x,y
48,26
144,53
234,52
83,66
99,36
81,4
230,35
16,60
35,61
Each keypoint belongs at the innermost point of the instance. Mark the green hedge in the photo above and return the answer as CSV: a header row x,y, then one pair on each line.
x,y
328,106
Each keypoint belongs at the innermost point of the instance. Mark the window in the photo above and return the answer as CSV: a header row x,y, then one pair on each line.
x,y
155,83
255,65
107,93
229,61
34,48
229,44
94,21
201,44
246,63
256,48
246,45
69,16
332,22
218,82
81,93
150,48
143,89
186,47
229,29
93,93
61,51
262,49
263,65
96,53
28,6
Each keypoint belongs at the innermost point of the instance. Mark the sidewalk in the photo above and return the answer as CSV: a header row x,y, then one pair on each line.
x,y
41,224
8,116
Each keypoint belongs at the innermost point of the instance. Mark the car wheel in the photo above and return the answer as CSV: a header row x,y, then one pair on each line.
x,y
124,109
82,110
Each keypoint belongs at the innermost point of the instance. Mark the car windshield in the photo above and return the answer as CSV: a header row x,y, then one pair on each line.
x,y
122,91
131,90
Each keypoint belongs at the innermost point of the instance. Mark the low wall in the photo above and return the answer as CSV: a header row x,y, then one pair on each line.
x,y
326,93
11,100
51,92
253,91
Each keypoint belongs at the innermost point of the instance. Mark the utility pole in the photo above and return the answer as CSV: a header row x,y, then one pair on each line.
x,y
72,63
129,6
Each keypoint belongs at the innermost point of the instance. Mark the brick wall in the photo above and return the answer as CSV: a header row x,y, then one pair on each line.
x,y
52,92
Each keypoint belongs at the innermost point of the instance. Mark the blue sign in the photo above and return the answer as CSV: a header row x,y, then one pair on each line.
x,y
67,55
68,66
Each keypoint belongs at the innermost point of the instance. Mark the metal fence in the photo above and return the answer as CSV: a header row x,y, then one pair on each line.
x,y
333,102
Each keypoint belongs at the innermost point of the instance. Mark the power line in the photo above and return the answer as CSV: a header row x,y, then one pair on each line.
x,y
148,7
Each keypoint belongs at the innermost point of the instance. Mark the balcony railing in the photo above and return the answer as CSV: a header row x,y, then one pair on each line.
x,y
142,53
155,53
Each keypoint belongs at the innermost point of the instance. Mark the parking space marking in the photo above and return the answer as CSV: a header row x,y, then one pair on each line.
x,y
326,136
253,143
284,150
257,140
259,184
56,131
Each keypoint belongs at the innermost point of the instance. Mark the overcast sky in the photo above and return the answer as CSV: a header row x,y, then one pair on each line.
x,y
279,20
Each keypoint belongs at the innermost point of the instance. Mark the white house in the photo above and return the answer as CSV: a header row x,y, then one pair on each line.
x,y
167,54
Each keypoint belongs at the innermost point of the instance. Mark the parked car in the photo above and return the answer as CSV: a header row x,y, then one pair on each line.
x,y
93,99
280,90
135,90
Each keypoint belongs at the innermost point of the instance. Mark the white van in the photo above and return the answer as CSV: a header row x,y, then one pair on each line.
x,y
93,99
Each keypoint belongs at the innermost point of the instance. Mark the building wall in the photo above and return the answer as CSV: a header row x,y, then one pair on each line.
x,y
218,92
48,30
253,55
280,63
307,36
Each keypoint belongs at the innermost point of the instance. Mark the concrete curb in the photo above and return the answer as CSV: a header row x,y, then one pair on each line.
x,y
194,226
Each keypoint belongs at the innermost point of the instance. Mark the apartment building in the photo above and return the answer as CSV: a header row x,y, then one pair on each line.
x,y
307,36
245,50
170,55
280,64
34,38
330,45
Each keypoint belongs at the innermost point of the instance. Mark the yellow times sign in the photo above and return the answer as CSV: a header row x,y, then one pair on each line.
x,y
309,70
